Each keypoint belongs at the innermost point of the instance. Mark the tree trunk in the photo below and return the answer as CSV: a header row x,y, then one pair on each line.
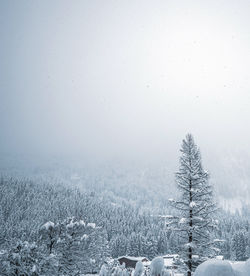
x,y
190,235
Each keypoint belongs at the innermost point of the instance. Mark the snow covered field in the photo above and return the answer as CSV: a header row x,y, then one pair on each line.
x,y
223,268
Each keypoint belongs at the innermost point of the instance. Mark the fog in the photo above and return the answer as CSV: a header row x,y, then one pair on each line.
x,y
124,79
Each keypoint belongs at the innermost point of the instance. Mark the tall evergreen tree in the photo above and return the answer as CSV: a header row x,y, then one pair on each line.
x,y
195,206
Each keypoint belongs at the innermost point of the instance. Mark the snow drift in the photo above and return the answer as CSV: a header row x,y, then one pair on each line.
x,y
223,268
241,268
214,268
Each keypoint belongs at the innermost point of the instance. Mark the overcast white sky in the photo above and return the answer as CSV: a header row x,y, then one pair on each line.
x,y
124,77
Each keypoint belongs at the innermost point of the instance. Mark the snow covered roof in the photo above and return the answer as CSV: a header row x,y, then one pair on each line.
x,y
169,256
133,258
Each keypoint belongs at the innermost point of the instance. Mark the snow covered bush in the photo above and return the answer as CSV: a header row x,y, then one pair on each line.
x,y
49,235
63,248
156,266
70,247
139,268
214,268
22,259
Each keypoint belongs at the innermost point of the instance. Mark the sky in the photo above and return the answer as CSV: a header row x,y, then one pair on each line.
x,y
124,78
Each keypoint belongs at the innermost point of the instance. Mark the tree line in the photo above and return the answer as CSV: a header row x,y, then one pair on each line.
x,y
125,227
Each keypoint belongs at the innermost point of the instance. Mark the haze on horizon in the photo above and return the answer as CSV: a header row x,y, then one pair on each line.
x,y
124,78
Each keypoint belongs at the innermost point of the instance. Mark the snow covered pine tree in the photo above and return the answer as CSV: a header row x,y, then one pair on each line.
x,y
195,205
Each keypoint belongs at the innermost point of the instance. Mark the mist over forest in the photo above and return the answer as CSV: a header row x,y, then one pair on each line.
x,y
229,174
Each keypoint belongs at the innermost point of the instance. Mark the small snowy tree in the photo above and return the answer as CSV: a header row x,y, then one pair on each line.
x,y
70,246
195,207
49,235
157,266
67,247
139,268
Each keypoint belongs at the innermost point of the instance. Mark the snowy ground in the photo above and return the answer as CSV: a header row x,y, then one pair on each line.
x,y
223,268
238,267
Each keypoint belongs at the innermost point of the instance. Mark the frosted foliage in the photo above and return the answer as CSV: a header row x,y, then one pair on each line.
x,y
156,266
214,268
